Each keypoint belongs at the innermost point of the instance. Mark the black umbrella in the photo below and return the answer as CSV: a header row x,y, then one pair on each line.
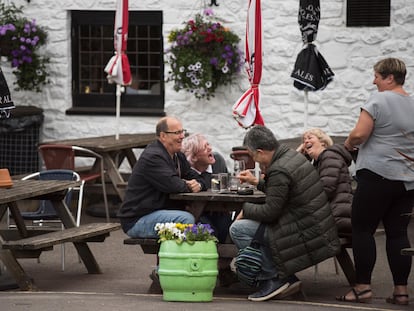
x,y
311,71
5,99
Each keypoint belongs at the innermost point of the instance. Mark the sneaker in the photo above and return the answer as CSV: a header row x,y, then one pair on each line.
x,y
269,289
294,287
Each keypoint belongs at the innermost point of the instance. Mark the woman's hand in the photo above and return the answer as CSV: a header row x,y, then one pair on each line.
x,y
240,215
301,149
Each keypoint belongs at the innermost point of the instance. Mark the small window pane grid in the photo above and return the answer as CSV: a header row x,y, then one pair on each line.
x,y
143,53
18,151
92,48
368,13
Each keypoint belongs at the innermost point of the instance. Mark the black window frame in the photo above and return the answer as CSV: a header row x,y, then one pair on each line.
x,y
104,101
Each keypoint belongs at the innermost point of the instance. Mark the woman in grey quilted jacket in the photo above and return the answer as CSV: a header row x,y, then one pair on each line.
x,y
332,162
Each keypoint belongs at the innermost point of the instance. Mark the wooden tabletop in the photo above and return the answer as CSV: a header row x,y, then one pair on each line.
x,y
256,197
26,189
109,143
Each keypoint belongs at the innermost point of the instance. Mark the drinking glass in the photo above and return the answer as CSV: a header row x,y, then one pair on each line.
x,y
239,166
224,182
215,182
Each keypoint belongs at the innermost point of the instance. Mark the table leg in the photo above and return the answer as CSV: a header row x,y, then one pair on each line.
x,y
16,271
347,265
18,219
81,247
196,208
130,155
114,175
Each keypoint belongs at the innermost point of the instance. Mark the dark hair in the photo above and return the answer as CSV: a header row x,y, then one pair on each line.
x,y
260,137
162,126
391,66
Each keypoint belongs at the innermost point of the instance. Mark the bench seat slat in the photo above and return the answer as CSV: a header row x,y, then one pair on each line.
x,y
75,234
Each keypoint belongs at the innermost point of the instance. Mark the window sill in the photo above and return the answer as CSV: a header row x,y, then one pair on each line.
x,y
125,112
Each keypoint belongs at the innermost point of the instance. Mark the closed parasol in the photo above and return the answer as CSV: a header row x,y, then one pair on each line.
x,y
118,68
6,103
246,109
311,71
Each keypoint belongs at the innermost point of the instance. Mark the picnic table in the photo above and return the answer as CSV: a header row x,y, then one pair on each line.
x,y
22,242
113,151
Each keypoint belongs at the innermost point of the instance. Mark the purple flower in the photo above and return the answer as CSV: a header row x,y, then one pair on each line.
x,y
27,59
214,61
15,62
208,12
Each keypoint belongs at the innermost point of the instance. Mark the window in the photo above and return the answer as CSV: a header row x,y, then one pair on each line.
x,y
370,13
93,46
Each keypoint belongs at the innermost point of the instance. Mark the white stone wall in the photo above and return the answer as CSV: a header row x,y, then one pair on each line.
x,y
351,53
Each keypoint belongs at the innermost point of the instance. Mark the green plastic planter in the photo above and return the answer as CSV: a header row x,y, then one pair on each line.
x,y
188,272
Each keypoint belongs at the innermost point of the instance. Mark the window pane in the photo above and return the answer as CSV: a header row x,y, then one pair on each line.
x,y
93,47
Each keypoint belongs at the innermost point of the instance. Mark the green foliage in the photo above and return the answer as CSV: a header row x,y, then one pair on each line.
x,y
20,40
203,55
184,232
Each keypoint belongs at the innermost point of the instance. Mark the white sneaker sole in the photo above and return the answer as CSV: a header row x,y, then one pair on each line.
x,y
271,295
291,290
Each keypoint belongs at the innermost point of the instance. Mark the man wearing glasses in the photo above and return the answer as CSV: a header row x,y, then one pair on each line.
x,y
160,170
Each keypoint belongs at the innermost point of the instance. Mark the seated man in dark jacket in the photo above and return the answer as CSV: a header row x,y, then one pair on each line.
x,y
161,169
300,230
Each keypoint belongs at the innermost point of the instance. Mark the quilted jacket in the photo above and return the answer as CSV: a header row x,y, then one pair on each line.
x,y
332,165
300,228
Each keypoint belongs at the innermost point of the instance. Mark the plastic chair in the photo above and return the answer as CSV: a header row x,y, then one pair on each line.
x,y
63,157
45,212
241,153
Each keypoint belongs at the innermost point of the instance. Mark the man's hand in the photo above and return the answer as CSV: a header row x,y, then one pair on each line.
x,y
247,176
240,215
193,185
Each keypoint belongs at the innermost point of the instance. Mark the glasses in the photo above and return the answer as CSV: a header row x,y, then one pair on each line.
x,y
177,132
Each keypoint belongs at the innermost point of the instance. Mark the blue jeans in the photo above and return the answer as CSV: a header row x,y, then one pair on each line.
x,y
242,232
144,227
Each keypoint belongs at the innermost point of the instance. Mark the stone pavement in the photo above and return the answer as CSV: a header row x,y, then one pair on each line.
x,y
124,284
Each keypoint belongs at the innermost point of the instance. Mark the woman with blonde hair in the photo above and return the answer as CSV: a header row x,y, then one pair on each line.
x,y
332,162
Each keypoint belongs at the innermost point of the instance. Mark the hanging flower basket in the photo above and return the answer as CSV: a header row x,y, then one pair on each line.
x,y
203,55
20,40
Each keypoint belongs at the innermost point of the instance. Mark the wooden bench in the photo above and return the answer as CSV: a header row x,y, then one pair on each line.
x,y
151,246
94,232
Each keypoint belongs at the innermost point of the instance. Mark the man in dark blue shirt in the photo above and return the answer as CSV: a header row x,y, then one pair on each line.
x,y
161,169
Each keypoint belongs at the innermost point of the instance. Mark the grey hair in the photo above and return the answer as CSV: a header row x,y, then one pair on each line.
x,y
260,137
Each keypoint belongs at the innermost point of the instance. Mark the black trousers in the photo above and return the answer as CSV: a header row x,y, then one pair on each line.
x,y
378,199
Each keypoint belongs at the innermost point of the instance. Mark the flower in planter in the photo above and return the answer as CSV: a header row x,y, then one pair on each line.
x,y
20,40
184,232
203,55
